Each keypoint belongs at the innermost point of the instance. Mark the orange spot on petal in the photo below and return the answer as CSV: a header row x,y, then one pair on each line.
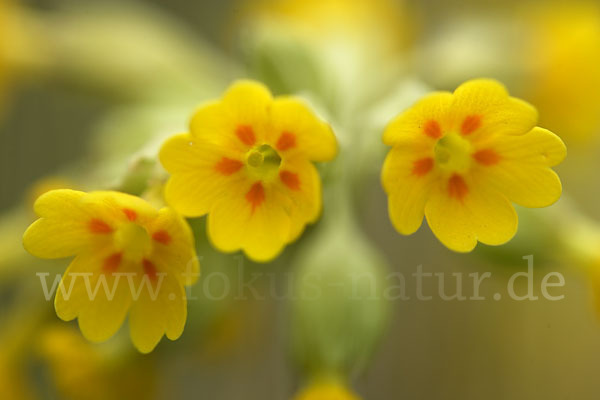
x,y
432,129
162,237
486,157
256,195
457,188
111,264
470,124
246,134
286,141
290,179
130,214
423,166
227,166
149,269
99,226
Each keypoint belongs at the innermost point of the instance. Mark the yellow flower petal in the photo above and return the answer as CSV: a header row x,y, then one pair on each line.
x,y
68,238
57,235
305,201
44,185
408,187
262,232
482,107
174,250
422,123
538,147
183,154
100,301
196,182
237,95
483,214
523,172
112,206
54,202
238,121
297,131
159,313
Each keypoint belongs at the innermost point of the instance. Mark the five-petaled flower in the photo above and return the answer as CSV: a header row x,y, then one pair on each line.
x,y
247,163
460,159
129,258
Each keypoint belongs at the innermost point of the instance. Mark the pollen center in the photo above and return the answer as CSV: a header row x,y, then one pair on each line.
x,y
133,241
453,153
263,161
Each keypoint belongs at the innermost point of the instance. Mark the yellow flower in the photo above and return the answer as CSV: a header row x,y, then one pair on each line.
x,y
247,164
460,159
326,390
129,257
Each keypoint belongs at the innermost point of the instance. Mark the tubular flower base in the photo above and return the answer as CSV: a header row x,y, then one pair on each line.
x,y
247,164
326,391
129,257
460,159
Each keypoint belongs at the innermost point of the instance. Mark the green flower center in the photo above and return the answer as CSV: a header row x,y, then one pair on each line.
x,y
133,241
453,153
263,161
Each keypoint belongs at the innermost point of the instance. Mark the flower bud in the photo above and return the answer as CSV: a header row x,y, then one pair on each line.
x,y
338,313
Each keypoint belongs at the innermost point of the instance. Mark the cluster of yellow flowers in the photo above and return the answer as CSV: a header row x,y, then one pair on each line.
x,y
247,163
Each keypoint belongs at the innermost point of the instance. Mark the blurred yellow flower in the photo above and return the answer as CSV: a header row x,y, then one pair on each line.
x,y
20,49
13,384
130,257
19,323
380,23
247,164
4,38
326,390
77,368
460,159
84,371
564,80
